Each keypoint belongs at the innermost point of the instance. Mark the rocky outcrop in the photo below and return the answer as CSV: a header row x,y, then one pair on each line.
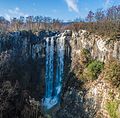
x,y
101,48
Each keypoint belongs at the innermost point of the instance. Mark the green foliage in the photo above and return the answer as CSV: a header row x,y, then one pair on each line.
x,y
81,62
112,72
85,57
112,107
93,70
85,52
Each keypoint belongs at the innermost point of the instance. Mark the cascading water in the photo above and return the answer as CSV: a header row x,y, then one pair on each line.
x,y
49,67
53,77
60,64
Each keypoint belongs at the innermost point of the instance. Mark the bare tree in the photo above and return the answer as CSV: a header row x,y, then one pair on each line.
x,y
90,16
99,15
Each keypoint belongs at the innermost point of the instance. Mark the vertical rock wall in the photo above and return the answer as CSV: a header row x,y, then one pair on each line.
x,y
100,48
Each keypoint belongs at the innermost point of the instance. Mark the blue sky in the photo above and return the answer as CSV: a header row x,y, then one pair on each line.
x,y
62,9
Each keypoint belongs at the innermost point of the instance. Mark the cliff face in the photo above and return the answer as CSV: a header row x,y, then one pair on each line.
x,y
25,57
36,60
91,99
100,48
18,52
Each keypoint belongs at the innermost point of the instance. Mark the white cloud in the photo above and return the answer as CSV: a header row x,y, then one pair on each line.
x,y
16,12
17,9
72,5
108,3
7,16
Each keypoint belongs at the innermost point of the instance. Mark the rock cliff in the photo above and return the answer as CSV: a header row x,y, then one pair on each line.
x,y
101,48
24,58
90,100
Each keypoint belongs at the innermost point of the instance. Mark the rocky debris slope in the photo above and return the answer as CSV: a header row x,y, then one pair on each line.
x,y
97,96
89,100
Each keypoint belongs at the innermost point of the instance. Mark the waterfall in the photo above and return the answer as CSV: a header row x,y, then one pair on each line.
x,y
60,64
49,67
53,85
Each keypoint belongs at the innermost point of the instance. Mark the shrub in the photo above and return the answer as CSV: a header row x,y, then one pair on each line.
x,y
93,70
112,72
81,61
112,108
85,57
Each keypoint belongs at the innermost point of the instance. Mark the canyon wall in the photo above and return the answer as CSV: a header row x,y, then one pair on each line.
x,y
101,48
36,62
89,100
46,64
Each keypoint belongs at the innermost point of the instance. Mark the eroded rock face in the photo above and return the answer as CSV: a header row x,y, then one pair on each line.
x,y
90,100
28,49
100,48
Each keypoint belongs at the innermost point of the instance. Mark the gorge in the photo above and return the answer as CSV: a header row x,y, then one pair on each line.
x,y
47,65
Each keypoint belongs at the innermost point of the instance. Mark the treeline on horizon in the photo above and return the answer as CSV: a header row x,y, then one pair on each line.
x,y
102,22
